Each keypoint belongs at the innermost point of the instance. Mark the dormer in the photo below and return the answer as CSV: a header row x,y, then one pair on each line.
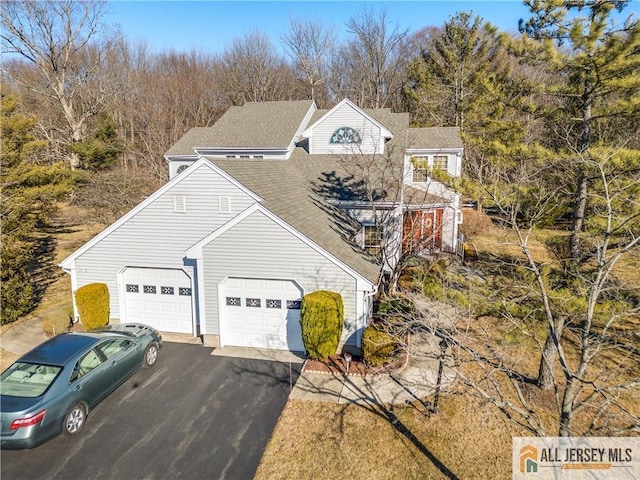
x,y
429,149
346,129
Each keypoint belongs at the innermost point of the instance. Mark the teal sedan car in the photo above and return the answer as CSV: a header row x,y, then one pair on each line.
x,y
52,388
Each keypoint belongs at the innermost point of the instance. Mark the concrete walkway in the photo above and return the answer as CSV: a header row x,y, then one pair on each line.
x,y
19,339
416,381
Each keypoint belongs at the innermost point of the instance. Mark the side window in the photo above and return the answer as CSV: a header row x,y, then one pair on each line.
x,y
113,347
87,363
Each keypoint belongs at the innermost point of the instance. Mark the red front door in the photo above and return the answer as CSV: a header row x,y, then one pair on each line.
x,y
422,231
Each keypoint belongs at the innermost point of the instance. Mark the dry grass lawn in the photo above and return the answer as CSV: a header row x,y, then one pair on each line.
x,y
329,441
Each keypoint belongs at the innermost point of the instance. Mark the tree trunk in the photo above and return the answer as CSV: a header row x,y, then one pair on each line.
x,y
579,210
546,375
546,372
566,409
580,206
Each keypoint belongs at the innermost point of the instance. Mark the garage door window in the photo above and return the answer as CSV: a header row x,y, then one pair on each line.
x,y
253,302
150,289
274,303
185,291
294,304
132,288
233,301
166,290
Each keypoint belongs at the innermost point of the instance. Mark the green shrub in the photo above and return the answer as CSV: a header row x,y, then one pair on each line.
x,y
378,346
322,320
92,301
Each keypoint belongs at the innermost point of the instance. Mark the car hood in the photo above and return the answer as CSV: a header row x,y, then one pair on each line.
x,y
9,404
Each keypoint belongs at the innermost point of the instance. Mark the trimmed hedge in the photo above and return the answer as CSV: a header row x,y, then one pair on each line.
x,y
378,346
322,320
92,301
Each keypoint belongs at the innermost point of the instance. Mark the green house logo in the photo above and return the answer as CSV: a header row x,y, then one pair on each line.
x,y
529,459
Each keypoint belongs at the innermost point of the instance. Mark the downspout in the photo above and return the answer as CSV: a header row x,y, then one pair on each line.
x,y
372,292
364,297
72,280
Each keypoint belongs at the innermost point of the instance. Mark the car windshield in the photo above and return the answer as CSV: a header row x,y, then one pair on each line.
x,y
28,379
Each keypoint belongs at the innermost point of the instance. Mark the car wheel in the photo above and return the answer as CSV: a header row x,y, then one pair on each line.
x,y
151,354
74,420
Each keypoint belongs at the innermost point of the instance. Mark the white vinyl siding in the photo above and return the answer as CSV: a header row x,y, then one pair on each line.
x,y
346,116
156,236
257,247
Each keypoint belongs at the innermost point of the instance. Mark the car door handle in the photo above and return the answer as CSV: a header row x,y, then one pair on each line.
x,y
113,364
78,387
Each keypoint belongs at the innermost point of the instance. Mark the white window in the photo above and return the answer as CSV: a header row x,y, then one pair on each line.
x,y
372,238
441,162
420,168
424,164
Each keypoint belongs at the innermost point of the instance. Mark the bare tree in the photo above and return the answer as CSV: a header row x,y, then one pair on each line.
x,y
371,67
166,95
250,71
108,195
309,44
67,43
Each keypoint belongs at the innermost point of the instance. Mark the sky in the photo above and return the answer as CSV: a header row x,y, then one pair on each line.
x,y
211,26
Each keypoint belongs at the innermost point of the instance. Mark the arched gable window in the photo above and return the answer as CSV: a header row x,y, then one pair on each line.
x,y
345,135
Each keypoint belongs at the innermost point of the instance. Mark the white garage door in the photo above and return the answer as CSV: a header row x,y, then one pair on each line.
x,y
261,313
158,297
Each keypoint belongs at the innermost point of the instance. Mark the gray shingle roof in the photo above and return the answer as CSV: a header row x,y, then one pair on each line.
x,y
255,124
189,140
434,137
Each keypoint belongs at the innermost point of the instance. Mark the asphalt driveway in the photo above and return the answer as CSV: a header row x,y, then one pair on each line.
x,y
191,416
